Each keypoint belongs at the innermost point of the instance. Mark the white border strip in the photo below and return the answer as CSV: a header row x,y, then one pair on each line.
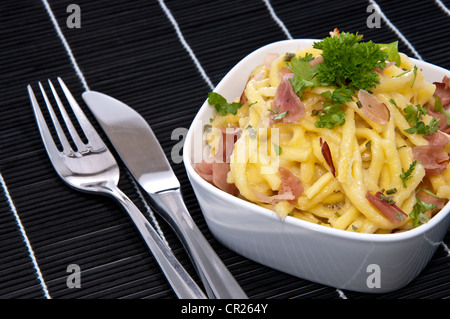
x,y
442,6
25,238
394,28
66,45
278,20
185,44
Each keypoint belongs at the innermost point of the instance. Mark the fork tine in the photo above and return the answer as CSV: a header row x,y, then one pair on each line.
x,y
47,138
89,131
67,149
70,127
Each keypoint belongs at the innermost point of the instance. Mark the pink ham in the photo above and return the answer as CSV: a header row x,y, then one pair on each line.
x,y
216,174
215,169
270,57
438,139
443,91
316,60
433,158
327,156
287,101
290,183
291,188
373,108
390,211
430,199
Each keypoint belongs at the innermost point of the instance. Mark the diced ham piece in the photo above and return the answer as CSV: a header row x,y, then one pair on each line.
x,y
287,196
438,115
438,139
430,199
327,156
283,71
391,211
291,188
287,101
443,91
373,108
316,60
433,158
270,57
216,174
215,169
226,146
290,183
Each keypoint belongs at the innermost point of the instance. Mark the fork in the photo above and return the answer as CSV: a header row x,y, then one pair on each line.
x,y
91,167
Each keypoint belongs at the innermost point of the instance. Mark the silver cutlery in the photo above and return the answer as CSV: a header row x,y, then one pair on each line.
x,y
91,167
141,152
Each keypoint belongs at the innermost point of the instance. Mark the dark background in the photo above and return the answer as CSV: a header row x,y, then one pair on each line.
x,y
130,50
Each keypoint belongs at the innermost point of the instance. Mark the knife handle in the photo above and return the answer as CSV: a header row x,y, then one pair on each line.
x,y
217,279
181,282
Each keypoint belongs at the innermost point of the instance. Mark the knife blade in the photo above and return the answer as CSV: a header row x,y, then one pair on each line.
x,y
140,150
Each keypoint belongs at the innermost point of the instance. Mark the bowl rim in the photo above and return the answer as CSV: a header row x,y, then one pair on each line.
x,y
334,232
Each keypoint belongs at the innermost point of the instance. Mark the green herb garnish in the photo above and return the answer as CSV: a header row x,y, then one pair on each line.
x,y
280,116
403,73
348,65
332,115
415,75
417,214
405,176
439,108
277,148
391,191
414,116
304,75
221,105
392,51
347,61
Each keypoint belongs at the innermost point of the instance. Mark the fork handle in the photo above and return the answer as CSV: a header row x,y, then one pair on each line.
x,y
181,282
217,279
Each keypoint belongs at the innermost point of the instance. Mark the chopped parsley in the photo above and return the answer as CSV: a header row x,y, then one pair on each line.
x,y
405,176
392,51
414,116
332,114
304,75
221,105
415,75
417,214
387,198
393,103
403,73
439,108
391,191
277,148
278,116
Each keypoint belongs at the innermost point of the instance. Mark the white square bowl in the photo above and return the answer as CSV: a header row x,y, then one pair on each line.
x,y
371,263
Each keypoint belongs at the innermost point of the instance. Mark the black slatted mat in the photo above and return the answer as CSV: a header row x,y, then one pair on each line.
x,y
131,50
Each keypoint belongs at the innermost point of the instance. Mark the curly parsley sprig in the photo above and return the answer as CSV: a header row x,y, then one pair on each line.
x,y
347,61
348,65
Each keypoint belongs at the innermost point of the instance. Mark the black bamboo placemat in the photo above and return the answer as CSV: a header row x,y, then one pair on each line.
x,y
162,58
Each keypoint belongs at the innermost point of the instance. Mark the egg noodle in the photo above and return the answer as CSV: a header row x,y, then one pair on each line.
x,y
367,156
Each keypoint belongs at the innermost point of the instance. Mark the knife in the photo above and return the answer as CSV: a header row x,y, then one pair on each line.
x,y
141,152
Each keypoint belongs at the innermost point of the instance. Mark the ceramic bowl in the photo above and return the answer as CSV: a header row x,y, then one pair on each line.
x,y
371,263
